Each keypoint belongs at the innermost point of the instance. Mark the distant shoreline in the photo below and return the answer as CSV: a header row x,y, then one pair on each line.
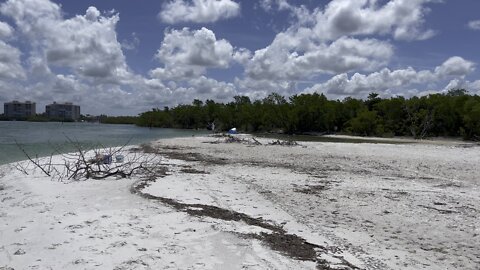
x,y
340,137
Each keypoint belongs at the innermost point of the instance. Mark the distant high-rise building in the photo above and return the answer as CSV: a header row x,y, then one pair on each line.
x,y
63,111
16,109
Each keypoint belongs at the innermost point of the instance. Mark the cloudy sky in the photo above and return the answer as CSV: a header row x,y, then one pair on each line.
x,y
124,57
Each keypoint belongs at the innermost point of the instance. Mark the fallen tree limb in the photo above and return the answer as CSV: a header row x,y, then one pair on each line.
x,y
443,211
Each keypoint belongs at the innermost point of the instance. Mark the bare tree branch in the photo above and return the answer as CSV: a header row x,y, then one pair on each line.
x,y
98,163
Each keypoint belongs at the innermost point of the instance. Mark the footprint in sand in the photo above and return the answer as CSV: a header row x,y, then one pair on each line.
x,y
7,199
46,209
83,261
90,222
125,234
19,252
73,228
54,246
19,229
88,248
118,244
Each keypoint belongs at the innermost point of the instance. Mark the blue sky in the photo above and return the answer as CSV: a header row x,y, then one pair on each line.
x,y
125,57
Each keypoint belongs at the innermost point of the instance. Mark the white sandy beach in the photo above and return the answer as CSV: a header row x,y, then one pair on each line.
x,y
364,206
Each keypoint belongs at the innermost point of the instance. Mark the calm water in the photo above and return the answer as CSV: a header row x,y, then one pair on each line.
x,y
43,138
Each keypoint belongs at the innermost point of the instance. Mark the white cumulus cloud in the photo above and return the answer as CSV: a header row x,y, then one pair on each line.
x,y
455,66
473,87
268,5
474,25
87,44
208,88
301,13
198,11
10,65
83,47
344,36
401,19
390,81
295,56
188,53
6,30
10,62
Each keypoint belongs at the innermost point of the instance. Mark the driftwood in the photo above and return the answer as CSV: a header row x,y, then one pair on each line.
x,y
256,141
235,139
284,143
227,138
443,211
83,164
35,161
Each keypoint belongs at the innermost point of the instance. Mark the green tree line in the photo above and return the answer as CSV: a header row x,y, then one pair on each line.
x,y
452,114
117,119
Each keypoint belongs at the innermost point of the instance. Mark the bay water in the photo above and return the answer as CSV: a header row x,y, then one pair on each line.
x,y
44,139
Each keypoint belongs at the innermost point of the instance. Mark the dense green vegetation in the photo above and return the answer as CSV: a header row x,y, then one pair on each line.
x,y
453,114
118,119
